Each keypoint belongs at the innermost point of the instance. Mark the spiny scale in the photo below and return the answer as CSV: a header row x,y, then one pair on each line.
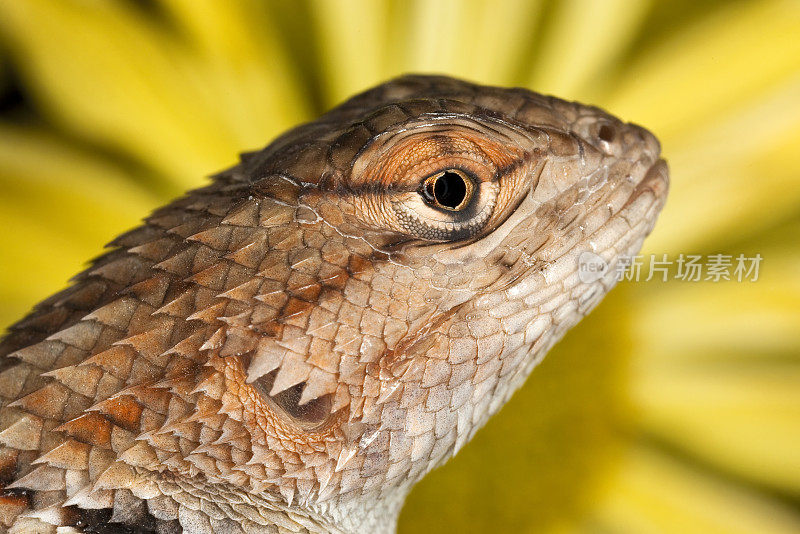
x,y
286,349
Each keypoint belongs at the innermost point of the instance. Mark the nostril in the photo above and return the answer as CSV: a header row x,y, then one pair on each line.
x,y
606,133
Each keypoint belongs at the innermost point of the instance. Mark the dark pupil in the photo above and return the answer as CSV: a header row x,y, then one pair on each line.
x,y
448,189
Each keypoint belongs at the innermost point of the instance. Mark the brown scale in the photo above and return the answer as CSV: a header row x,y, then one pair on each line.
x,y
292,347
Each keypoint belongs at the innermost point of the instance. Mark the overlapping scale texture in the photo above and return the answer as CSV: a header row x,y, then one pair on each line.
x,y
165,388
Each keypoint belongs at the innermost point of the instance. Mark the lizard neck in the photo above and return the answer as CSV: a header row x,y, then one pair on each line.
x,y
368,514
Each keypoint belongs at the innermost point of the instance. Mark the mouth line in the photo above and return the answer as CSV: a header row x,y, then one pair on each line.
x,y
655,180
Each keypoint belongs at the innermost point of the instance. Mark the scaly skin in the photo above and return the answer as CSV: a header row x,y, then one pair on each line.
x,y
293,347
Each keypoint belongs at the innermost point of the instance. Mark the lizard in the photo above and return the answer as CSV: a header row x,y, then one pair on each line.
x,y
293,346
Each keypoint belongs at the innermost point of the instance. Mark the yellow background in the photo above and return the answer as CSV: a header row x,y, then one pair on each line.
x,y
674,408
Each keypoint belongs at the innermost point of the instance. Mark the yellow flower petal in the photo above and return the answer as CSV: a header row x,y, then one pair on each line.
x,y
743,418
736,175
352,44
717,63
243,66
654,494
716,365
111,74
482,40
53,198
582,39
364,42
754,318
697,321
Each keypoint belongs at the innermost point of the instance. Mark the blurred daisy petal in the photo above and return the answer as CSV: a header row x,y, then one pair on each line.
x,y
242,66
122,80
582,39
53,197
753,318
479,39
654,494
725,388
732,416
728,171
352,44
718,63
435,34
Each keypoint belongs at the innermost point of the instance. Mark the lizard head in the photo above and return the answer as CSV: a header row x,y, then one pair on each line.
x,y
435,242
342,311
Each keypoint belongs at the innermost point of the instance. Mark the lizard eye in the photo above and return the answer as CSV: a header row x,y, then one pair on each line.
x,y
449,204
308,415
448,190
